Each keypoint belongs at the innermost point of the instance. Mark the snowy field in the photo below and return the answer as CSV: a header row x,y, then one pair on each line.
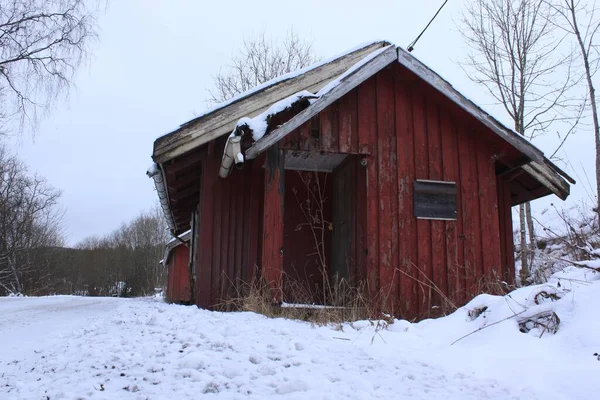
x,y
103,348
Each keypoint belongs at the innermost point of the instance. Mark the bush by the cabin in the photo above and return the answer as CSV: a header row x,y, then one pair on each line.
x,y
564,236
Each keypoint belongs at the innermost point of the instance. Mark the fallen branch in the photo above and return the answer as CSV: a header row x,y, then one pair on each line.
x,y
578,264
487,326
547,320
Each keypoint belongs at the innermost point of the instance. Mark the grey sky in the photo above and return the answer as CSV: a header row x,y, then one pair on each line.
x,y
152,66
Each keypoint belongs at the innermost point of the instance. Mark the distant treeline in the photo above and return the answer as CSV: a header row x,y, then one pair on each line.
x,y
124,263
34,260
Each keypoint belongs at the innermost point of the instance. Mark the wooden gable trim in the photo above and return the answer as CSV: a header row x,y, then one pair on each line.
x,y
349,82
445,88
548,178
223,120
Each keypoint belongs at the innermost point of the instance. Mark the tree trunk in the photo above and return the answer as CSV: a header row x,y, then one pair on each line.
x,y
523,241
592,97
12,262
531,230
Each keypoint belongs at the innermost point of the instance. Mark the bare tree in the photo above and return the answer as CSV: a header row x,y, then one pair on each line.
x,y
29,220
42,42
580,20
260,59
515,55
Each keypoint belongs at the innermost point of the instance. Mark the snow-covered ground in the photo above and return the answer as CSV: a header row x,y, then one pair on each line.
x,y
103,348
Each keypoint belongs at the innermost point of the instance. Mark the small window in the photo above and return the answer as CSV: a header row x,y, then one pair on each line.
x,y
435,200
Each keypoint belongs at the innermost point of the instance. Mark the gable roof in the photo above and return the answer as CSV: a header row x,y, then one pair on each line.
x,y
365,70
330,80
222,119
176,241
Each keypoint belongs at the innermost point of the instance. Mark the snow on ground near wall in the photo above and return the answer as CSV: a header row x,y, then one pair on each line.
x,y
103,348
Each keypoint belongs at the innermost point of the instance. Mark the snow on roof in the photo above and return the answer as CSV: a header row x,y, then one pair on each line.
x,y
279,79
152,170
327,88
174,242
185,236
259,124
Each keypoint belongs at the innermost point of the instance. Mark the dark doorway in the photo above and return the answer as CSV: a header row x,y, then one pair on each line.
x,y
322,232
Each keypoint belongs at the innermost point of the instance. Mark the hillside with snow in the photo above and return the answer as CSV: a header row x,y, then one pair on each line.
x,y
106,348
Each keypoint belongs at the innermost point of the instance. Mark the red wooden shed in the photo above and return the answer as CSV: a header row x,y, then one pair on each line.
x,y
177,262
366,168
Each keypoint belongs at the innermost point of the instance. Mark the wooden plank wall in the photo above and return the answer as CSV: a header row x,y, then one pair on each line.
x,y
408,131
507,245
403,130
178,279
229,232
273,233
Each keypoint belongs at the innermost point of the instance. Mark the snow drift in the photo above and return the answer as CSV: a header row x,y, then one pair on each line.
x,y
103,348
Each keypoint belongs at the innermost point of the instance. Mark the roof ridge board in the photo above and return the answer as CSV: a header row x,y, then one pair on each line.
x,y
280,79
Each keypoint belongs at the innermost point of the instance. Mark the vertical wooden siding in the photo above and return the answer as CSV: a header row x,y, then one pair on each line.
x,y
178,280
407,131
228,230
273,233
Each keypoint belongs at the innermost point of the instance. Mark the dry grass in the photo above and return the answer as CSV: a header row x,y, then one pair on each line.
x,y
344,303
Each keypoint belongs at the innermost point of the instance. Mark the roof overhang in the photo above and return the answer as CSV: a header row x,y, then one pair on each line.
x,y
223,119
176,152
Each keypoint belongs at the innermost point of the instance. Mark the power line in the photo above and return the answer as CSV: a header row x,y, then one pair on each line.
x,y
411,46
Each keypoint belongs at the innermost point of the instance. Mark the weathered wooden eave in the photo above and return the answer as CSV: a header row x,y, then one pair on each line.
x,y
423,72
445,88
549,178
222,121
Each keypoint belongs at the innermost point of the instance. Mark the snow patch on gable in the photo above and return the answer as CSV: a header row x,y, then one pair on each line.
x,y
258,124
331,85
284,77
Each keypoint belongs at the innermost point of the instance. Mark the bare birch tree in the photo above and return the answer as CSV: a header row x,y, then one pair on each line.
x,y
515,55
260,59
42,42
581,21
29,220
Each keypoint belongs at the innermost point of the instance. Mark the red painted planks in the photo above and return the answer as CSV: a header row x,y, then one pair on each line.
x,y
423,231
407,244
438,270
388,188
325,130
506,233
335,127
181,278
454,246
367,115
470,209
361,222
304,135
235,222
372,192
220,227
205,236
348,122
272,244
488,210
254,233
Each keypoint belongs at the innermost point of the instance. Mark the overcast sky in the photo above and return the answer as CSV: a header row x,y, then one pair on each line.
x,y
155,60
